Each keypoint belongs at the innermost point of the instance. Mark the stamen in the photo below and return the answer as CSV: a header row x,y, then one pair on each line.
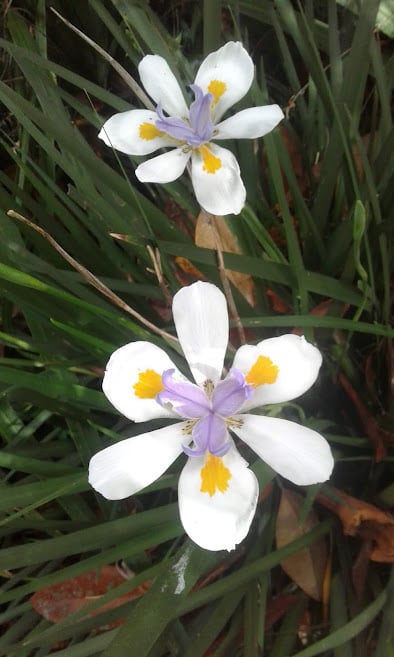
x,y
217,89
149,384
211,164
263,371
208,387
214,476
189,426
149,131
234,422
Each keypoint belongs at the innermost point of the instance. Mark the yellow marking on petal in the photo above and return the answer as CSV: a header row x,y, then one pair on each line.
x,y
149,131
217,89
262,371
149,385
214,476
211,163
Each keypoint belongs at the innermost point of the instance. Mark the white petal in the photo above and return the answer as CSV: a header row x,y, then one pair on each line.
x,y
220,191
250,123
161,84
231,65
163,168
132,464
220,521
201,322
298,364
122,373
123,132
300,454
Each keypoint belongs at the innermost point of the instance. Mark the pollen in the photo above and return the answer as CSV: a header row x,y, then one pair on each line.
x,y
149,131
214,476
211,164
262,371
217,89
149,385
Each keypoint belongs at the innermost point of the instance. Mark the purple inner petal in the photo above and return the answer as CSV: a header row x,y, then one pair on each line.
x,y
186,399
199,130
209,434
200,114
230,394
174,127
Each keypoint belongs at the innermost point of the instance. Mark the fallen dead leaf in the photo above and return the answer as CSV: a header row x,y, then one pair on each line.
x,y
306,567
364,520
212,232
189,269
58,601
277,303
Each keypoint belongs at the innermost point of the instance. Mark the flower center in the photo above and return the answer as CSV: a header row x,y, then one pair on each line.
x,y
198,129
211,414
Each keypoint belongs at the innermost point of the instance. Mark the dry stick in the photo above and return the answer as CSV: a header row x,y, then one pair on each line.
x,y
92,279
158,271
291,103
224,279
134,86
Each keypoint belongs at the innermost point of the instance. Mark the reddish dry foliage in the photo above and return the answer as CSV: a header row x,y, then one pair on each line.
x,y
306,567
364,520
58,601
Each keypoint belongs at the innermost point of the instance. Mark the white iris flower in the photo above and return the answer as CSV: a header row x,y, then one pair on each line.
x,y
223,78
217,491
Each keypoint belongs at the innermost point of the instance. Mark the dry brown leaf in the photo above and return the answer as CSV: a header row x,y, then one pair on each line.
x,y
58,601
277,303
306,567
188,268
212,232
365,520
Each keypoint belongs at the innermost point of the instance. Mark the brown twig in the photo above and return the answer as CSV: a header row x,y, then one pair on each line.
x,y
158,270
223,277
134,86
93,280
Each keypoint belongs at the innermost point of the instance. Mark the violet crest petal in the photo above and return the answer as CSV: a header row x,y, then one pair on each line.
x,y
211,432
186,399
200,114
193,451
229,396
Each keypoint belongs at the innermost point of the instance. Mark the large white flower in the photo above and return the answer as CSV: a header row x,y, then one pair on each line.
x,y
217,491
223,78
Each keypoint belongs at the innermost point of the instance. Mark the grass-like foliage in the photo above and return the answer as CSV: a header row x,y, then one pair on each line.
x,y
315,243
